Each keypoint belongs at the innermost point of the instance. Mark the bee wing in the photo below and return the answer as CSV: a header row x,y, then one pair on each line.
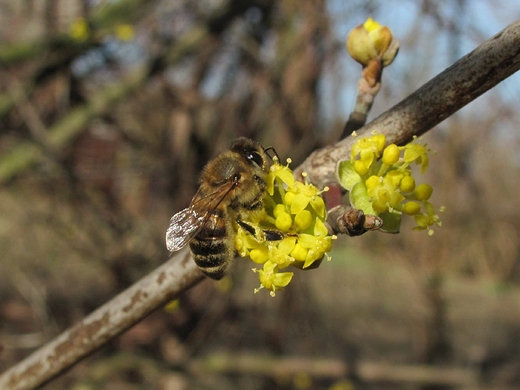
x,y
183,227
187,223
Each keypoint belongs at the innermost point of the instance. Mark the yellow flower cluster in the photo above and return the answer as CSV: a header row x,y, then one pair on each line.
x,y
381,182
296,212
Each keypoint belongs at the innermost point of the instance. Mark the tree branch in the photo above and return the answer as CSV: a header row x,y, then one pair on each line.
x,y
164,284
464,81
468,78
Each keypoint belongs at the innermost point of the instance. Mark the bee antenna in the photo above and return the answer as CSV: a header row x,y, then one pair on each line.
x,y
271,148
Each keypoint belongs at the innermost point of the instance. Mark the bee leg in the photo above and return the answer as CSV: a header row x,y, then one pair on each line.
x,y
261,234
273,234
247,227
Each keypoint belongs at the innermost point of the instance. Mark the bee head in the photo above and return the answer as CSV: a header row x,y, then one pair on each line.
x,y
252,151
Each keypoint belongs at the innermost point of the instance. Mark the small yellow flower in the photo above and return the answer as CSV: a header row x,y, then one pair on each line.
x,y
280,254
317,245
305,194
125,32
384,193
283,173
394,177
271,279
79,30
426,220
368,149
247,245
418,153
172,306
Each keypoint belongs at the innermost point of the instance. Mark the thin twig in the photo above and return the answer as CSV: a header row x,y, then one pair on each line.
x,y
489,64
471,76
28,111
65,130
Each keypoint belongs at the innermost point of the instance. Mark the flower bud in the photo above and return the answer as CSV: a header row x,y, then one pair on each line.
x,y
391,154
411,208
303,219
283,221
423,191
360,167
407,184
370,41
279,209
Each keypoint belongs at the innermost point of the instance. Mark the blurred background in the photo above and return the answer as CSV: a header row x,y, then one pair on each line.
x,y
108,112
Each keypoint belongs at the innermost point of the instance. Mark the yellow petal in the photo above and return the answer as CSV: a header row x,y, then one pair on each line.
x,y
299,203
259,255
320,230
318,205
379,140
371,25
299,252
286,176
270,184
367,156
307,241
287,245
312,256
282,279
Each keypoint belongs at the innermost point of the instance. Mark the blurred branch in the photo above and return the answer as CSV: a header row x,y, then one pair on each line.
x,y
103,17
28,112
464,81
67,128
58,51
72,124
164,284
490,63
276,367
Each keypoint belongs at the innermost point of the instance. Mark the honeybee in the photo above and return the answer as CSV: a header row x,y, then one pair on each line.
x,y
232,184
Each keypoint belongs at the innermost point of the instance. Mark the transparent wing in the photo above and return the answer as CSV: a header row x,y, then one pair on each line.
x,y
187,223
183,227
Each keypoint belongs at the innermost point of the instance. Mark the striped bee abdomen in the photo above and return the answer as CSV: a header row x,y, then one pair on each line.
x,y
213,247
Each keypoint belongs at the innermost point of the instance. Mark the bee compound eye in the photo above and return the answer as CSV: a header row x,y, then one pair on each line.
x,y
256,158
